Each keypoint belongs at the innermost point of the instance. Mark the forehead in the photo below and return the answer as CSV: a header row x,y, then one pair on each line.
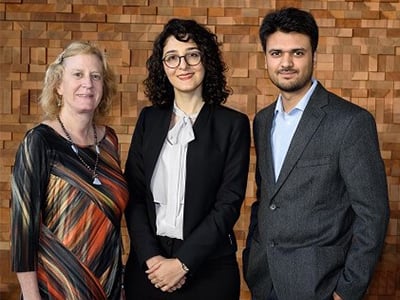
x,y
172,44
80,61
287,41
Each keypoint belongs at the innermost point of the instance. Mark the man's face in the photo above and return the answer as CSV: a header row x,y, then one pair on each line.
x,y
289,61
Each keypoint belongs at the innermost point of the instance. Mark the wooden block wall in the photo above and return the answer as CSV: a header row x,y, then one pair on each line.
x,y
358,58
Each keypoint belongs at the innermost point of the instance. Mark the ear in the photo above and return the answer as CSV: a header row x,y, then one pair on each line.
x,y
265,62
315,58
59,89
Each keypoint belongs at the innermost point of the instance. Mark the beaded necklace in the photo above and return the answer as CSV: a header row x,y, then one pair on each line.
x,y
95,176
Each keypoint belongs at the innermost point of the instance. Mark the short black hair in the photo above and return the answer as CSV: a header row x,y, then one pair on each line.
x,y
289,20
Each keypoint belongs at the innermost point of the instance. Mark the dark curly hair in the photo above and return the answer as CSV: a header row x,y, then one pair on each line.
x,y
289,20
157,86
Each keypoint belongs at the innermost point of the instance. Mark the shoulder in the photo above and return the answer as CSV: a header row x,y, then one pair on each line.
x,y
37,143
153,114
154,110
265,112
225,112
340,113
228,121
331,101
339,107
109,133
41,133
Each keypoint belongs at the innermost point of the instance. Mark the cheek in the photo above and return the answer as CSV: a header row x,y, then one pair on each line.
x,y
202,73
271,64
169,72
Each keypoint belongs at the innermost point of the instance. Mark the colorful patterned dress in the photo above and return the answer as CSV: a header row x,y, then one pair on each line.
x,y
63,226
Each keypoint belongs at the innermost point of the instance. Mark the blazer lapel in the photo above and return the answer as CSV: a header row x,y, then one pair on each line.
x,y
158,127
264,157
309,123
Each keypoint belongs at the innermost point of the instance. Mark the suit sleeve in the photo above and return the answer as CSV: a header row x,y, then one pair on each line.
x,y
219,222
363,171
139,228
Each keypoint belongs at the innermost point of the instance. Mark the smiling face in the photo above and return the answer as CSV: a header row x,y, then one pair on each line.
x,y
290,61
184,78
81,86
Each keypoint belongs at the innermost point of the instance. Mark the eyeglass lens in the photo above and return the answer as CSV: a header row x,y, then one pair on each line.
x,y
191,59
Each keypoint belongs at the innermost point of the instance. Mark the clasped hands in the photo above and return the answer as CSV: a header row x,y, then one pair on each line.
x,y
165,274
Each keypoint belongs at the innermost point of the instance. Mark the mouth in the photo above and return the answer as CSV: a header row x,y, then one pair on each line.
x,y
185,76
287,73
85,95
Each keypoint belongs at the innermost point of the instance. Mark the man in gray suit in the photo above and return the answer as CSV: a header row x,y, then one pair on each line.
x,y
318,226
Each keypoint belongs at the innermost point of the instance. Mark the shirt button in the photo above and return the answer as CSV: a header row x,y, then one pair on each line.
x,y
272,244
272,207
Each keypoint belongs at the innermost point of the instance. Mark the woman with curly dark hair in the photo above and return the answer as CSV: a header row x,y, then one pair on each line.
x,y
187,173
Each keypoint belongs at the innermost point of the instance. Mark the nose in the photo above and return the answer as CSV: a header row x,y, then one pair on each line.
x,y
87,81
287,59
182,63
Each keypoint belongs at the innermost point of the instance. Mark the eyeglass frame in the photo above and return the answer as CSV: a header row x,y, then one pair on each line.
x,y
184,57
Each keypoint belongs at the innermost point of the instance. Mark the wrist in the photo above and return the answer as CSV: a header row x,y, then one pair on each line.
x,y
183,266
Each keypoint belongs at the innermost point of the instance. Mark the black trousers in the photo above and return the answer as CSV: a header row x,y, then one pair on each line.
x,y
216,279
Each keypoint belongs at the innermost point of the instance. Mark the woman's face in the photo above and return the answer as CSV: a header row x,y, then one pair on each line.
x,y
187,73
81,86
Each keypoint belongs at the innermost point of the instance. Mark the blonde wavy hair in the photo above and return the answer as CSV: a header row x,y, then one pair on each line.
x,y
49,98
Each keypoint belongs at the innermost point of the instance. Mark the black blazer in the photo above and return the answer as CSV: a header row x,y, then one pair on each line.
x,y
321,227
216,179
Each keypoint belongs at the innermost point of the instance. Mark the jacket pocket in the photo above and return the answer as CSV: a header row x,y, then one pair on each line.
x,y
303,163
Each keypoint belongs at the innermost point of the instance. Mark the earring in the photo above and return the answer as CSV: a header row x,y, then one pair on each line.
x,y
59,101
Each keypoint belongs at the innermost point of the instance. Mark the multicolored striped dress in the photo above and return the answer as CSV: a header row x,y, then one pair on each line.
x,y
63,226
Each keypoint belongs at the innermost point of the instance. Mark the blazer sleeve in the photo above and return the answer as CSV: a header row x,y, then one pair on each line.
x,y
219,223
254,208
136,213
363,171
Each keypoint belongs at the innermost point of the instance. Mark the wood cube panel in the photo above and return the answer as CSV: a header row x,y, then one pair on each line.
x,y
358,58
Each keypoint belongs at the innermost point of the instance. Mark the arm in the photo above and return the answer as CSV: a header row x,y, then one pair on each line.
x,y
29,285
28,185
254,208
136,213
363,172
252,227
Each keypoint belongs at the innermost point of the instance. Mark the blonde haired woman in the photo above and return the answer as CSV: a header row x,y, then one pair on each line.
x,y
68,191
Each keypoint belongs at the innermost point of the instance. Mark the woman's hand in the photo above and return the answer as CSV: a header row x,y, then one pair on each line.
x,y
166,274
29,285
336,296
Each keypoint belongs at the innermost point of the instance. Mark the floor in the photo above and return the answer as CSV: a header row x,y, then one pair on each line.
x,y
385,284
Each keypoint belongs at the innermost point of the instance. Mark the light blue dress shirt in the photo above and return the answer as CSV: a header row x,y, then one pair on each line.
x,y
284,126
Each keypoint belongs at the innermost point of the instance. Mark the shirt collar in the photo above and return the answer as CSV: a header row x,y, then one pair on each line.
x,y
301,105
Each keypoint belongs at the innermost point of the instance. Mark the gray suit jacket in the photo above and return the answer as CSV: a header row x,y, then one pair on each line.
x,y
321,227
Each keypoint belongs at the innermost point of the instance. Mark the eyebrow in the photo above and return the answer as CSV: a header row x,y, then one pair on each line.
x,y
81,70
188,49
291,50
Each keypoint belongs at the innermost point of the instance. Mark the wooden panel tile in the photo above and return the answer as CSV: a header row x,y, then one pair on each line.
x,y
358,58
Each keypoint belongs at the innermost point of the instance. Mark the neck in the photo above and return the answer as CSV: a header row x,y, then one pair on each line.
x,y
290,99
81,130
190,106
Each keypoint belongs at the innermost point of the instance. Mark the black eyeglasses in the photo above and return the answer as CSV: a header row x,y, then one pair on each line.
x,y
191,58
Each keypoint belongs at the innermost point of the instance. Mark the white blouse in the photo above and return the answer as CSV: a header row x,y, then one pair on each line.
x,y
169,177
